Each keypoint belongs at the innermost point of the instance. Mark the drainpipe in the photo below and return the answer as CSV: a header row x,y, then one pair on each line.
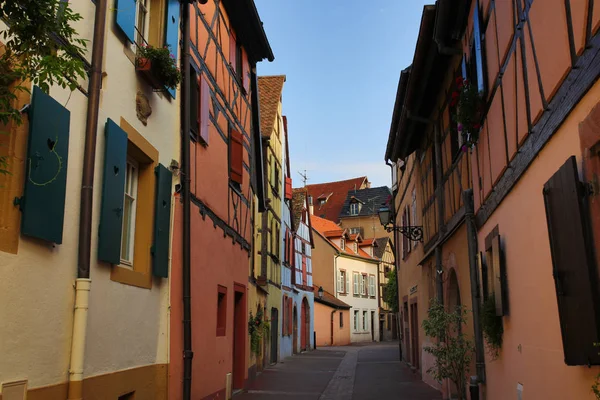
x,y
473,272
439,189
83,281
188,354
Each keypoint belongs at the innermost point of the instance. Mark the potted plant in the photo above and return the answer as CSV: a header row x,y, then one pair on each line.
x,y
468,112
158,66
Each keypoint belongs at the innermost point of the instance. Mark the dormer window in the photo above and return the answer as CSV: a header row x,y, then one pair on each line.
x,y
343,244
322,201
353,208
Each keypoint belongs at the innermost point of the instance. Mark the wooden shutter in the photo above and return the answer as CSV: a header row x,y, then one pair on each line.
x,y
245,72
162,222
500,289
573,266
203,112
232,49
483,277
404,238
172,33
356,284
347,287
125,18
113,190
288,188
236,155
43,202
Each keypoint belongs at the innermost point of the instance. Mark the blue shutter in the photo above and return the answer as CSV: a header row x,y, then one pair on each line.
x,y
125,17
478,55
172,32
43,202
113,191
162,222
464,67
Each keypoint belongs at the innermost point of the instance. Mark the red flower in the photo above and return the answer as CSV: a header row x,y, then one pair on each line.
x,y
477,126
466,81
459,80
454,95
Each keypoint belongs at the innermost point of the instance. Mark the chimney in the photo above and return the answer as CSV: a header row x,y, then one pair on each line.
x,y
311,209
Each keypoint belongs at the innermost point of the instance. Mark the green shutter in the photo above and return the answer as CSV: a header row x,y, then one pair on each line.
x,y
43,202
162,222
113,191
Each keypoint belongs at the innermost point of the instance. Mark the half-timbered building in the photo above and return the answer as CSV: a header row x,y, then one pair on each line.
x,y
226,41
505,190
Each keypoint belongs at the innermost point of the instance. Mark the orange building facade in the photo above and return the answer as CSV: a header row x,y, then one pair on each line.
x,y
227,40
507,205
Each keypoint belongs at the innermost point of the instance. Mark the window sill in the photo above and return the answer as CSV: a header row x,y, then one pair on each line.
x,y
128,276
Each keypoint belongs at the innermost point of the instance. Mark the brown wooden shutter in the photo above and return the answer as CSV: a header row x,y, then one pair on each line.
x,y
203,112
573,266
232,49
236,155
499,277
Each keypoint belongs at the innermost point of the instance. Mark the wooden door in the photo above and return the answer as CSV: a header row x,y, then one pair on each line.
x,y
295,331
274,334
414,328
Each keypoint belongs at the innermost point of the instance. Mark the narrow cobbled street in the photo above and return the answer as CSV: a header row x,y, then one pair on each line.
x,y
357,372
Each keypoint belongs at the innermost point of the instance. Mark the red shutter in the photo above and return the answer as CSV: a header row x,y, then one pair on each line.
x,y
236,155
232,49
290,315
288,188
304,281
203,112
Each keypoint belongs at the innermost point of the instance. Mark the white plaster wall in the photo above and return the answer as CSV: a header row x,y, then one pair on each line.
x,y
127,326
361,304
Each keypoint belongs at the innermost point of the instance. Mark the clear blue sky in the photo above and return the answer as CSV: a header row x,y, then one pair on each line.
x,y
342,59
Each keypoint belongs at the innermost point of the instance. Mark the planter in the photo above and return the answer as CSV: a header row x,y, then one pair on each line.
x,y
144,67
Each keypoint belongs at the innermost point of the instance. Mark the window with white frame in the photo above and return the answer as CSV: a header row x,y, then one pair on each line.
x,y
356,316
141,21
363,284
365,320
342,282
355,278
371,286
354,208
129,208
354,231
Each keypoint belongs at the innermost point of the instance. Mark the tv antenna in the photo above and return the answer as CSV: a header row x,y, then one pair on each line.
x,y
304,177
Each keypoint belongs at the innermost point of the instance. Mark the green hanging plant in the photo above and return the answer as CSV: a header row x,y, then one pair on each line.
x,y
161,63
256,327
492,327
468,112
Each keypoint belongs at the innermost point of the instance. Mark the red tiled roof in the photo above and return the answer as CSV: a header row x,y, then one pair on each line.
x,y
367,242
324,225
329,299
338,191
269,94
329,229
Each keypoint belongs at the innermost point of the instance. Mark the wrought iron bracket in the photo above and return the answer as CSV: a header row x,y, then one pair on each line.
x,y
414,233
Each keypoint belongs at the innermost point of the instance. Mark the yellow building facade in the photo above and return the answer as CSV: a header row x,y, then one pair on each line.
x,y
119,344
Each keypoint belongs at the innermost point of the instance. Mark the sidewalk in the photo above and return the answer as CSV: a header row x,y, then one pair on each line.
x,y
358,372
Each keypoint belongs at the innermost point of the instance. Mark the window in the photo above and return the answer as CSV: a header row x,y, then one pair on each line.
x,y
221,310
363,284
355,282
476,72
354,208
354,231
129,211
365,320
194,88
342,282
322,201
141,20
372,285
414,207
341,319
235,56
356,316
276,182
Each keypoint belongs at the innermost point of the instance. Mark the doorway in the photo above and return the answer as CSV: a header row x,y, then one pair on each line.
x,y
414,330
372,326
305,325
239,336
295,331
406,332
274,334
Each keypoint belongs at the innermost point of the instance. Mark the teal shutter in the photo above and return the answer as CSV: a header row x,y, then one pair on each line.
x,y
162,222
172,31
43,202
113,192
125,18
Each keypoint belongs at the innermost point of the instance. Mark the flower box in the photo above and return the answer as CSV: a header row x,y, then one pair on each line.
x,y
144,67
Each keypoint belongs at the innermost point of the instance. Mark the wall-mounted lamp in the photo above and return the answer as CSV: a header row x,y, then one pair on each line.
x,y
320,292
414,233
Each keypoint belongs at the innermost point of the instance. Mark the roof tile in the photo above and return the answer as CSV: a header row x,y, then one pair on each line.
x,y
337,192
269,94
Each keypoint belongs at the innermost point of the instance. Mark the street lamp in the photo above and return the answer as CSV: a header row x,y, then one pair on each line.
x,y
414,233
320,292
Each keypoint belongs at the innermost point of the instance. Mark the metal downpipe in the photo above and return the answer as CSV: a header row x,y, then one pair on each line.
x,y
188,354
83,281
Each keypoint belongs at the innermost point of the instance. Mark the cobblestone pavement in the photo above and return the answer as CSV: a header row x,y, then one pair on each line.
x,y
358,372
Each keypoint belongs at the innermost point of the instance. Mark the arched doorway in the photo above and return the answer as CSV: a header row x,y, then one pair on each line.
x,y
305,325
295,330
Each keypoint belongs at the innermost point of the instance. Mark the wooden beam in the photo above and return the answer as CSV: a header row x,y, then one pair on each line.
x,y
577,83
